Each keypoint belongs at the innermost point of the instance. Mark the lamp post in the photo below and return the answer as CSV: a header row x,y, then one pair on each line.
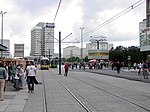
x,y
2,13
81,28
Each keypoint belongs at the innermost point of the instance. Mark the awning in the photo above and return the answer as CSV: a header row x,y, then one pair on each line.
x,y
3,48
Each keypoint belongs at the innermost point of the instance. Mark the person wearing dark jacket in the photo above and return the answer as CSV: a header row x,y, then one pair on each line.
x,y
118,66
145,70
2,80
66,67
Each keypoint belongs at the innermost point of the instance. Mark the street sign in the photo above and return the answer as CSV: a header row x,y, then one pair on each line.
x,y
129,57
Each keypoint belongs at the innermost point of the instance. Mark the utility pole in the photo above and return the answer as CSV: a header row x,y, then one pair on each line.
x,y
81,28
2,13
60,49
49,55
97,44
60,53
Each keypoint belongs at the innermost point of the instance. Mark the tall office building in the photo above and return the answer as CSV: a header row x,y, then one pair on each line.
x,y
19,50
6,43
148,13
42,39
71,51
144,33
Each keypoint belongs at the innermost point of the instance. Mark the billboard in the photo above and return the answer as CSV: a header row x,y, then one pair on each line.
x,y
98,54
50,25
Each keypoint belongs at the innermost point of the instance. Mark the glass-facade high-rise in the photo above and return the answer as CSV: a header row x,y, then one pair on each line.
x,y
148,12
144,33
42,39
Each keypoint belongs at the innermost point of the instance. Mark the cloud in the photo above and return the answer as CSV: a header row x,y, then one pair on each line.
x,y
125,28
35,6
23,15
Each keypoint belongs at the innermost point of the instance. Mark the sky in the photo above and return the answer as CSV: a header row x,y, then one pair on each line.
x,y
23,15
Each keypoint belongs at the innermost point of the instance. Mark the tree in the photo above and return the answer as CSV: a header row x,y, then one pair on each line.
x,y
85,59
121,54
63,59
117,54
73,59
135,54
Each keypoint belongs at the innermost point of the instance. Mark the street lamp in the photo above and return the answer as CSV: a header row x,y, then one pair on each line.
x,y
81,28
2,13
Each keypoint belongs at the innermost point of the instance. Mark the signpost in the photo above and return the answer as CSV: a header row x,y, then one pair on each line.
x,y
129,64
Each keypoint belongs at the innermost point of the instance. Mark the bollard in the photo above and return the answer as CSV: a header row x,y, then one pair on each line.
x,y
1,90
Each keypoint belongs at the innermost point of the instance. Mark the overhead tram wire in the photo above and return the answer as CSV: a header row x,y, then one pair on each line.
x,y
57,11
114,17
117,16
138,3
56,16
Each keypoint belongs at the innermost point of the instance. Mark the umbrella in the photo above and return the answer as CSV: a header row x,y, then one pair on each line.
x,y
93,60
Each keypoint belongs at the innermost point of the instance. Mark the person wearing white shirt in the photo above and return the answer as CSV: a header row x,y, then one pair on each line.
x,y
31,73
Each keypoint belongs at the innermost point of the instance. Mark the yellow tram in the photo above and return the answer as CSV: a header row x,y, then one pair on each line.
x,y
45,63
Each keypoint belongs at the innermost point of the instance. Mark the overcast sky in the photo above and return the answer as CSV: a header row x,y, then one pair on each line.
x,y
23,15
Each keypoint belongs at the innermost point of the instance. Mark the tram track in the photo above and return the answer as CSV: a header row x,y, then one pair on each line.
x,y
80,102
45,96
112,94
45,109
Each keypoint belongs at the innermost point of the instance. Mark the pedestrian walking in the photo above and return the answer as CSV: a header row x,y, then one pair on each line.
x,y
31,74
145,70
27,64
35,79
9,72
66,67
118,66
13,71
139,67
2,80
134,66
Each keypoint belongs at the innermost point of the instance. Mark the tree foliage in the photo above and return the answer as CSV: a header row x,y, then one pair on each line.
x,y
121,54
73,59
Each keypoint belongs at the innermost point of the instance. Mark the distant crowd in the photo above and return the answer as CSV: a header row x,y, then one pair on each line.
x,y
142,67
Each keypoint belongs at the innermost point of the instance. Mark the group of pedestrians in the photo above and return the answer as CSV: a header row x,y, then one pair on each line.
x,y
143,68
18,76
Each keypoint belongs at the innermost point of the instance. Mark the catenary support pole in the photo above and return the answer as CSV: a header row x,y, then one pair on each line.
x,y
59,52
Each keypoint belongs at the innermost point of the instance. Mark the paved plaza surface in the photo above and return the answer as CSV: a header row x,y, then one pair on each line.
x,y
95,89
124,73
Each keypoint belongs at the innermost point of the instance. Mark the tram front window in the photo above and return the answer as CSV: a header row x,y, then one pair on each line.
x,y
44,62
